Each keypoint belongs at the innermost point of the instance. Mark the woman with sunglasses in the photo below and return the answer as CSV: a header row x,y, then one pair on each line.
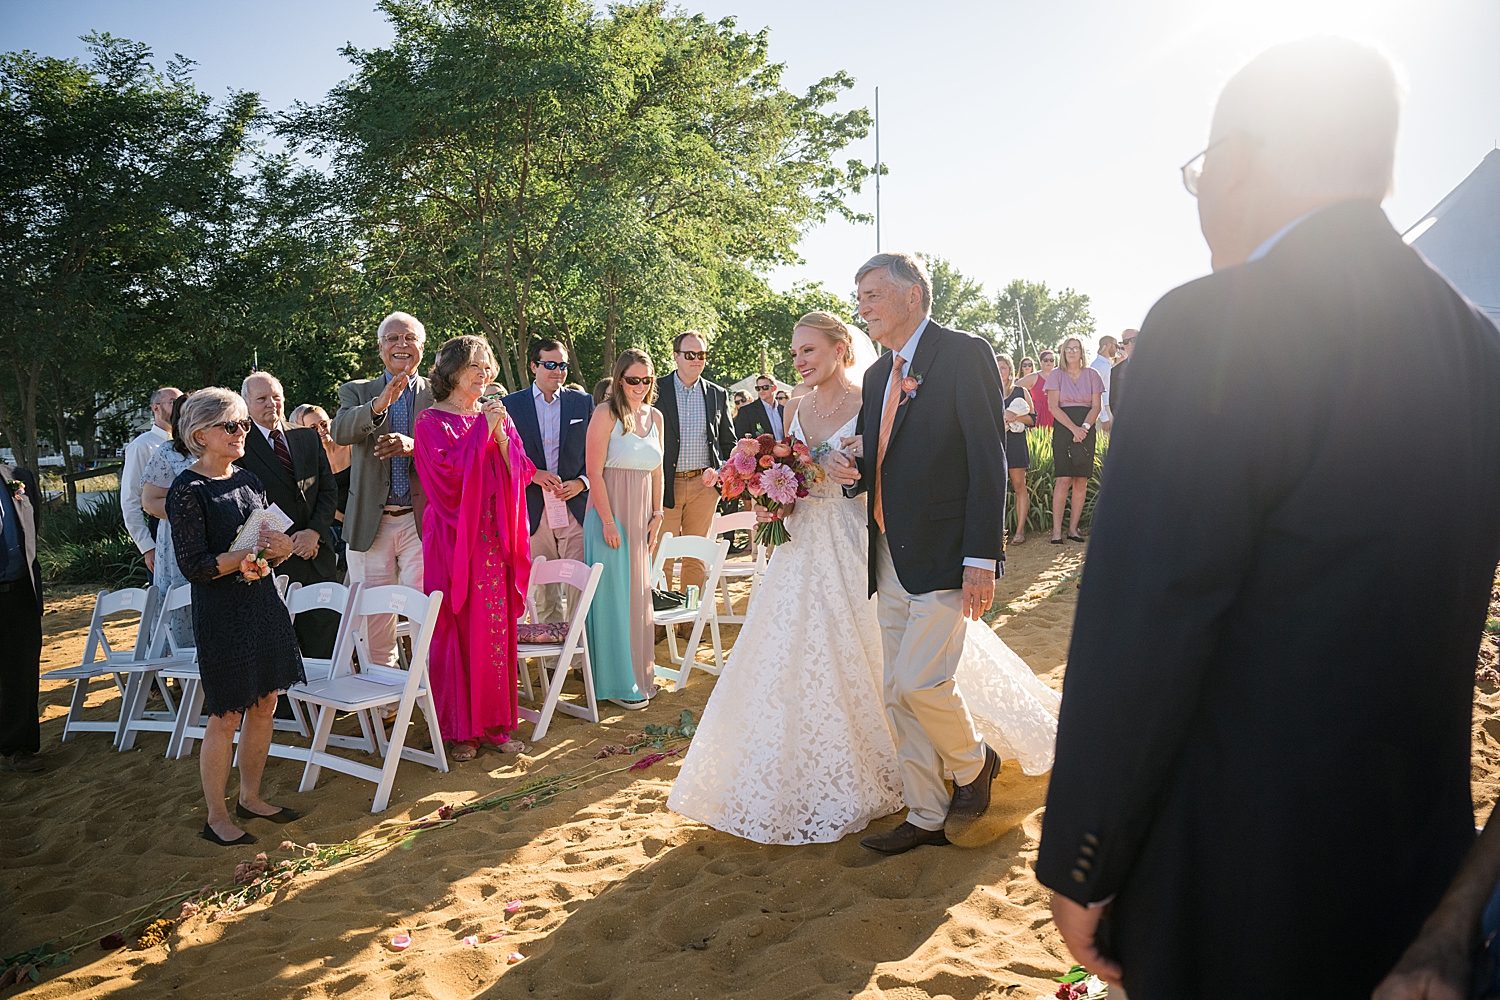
x,y
624,461
1032,382
247,648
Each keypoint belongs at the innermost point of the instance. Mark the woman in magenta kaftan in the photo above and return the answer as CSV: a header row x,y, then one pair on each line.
x,y
475,548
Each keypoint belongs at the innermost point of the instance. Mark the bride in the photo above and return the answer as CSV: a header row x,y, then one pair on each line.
x,y
794,747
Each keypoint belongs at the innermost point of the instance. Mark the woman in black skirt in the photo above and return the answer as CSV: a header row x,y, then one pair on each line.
x,y
1075,395
1017,452
247,649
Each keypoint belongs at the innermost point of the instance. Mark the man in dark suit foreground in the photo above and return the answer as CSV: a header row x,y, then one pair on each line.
x,y
764,415
293,467
20,622
1262,777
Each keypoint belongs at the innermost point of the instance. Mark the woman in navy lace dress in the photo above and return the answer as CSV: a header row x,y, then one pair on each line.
x,y
247,649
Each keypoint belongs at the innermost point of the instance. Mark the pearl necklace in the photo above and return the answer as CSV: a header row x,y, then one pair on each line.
x,y
836,407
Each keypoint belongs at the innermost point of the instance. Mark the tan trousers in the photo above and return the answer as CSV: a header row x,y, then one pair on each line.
x,y
922,638
394,557
555,543
692,515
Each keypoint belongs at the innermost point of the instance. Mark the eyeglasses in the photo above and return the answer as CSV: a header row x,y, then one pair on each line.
x,y
635,379
764,388
1048,357
694,355
553,366
232,426
1027,364
1192,170
1128,340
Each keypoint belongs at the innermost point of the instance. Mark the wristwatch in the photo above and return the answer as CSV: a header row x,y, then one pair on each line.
x,y
1086,426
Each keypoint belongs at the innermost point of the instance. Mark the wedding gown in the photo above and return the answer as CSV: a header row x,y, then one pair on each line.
x,y
794,746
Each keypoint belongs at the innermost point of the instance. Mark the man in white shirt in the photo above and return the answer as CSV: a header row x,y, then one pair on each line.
x,y
553,423
1109,353
142,527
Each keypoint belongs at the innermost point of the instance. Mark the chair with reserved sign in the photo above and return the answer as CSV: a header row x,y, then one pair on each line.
x,y
712,553
562,644
373,687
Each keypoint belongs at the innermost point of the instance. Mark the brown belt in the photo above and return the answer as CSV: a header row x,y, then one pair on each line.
x,y
396,513
690,474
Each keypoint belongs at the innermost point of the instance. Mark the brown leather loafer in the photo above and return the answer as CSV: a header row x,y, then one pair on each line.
x,y
22,761
902,838
972,801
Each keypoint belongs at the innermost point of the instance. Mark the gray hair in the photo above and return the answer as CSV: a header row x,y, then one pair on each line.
x,y
156,396
245,385
404,318
205,408
1324,112
905,270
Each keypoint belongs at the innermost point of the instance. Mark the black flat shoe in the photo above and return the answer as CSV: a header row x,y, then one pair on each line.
x,y
1076,538
282,815
1055,541
213,838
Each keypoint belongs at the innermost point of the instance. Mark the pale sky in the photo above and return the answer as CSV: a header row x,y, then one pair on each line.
x,y
1024,140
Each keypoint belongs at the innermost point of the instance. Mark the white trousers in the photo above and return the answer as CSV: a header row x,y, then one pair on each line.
x,y
555,543
394,557
922,640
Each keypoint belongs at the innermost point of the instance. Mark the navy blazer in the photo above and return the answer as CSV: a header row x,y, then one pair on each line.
x,y
720,429
577,408
943,481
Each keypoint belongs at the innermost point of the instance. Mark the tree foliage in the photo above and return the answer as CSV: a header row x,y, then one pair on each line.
x,y
526,167
1025,317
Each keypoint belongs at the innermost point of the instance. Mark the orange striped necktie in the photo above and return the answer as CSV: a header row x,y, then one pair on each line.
x,y
887,419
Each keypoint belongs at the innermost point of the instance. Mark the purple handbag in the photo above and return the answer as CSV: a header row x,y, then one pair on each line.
x,y
542,633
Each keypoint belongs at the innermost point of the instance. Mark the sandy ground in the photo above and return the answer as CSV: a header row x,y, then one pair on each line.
x,y
620,897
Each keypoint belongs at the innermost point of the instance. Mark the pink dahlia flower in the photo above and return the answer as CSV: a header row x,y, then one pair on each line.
x,y
744,462
780,484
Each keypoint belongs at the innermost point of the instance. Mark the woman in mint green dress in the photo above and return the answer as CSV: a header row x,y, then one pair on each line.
x,y
625,492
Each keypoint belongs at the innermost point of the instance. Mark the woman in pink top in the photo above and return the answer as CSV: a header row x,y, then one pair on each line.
x,y
1075,395
476,548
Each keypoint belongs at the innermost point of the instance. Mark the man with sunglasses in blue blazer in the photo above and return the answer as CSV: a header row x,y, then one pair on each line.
x,y
553,423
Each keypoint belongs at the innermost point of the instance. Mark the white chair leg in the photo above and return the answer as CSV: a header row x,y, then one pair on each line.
x,y
319,745
75,707
393,753
554,690
190,704
132,704
588,686
525,671
429,712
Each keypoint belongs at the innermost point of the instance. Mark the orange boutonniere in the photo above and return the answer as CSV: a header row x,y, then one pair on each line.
x,y
909,385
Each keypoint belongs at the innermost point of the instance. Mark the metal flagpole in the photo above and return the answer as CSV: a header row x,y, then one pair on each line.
x,y
877,169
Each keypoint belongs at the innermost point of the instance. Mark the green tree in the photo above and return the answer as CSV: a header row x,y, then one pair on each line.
x,y
533,166
1032,318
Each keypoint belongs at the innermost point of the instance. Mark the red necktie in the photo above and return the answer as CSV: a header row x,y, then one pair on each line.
x,y
283,454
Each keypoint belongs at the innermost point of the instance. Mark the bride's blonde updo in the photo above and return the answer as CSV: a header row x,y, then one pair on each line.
x,y
835,329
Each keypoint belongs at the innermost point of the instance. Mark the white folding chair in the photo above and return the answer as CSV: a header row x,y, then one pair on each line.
x,y
562,655
737,569
711,553
375,686
343,601
139,601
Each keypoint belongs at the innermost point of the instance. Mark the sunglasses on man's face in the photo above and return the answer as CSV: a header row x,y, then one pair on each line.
x,y
694,355
635,379
1128,341
232,427
764,388
553,366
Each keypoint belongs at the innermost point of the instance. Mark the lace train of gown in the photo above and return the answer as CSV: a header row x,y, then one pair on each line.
x,y
794,746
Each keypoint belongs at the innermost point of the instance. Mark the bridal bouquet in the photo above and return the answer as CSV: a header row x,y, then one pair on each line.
x,y
775,474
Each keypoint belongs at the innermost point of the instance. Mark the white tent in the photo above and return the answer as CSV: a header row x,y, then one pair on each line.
x,y
1461,236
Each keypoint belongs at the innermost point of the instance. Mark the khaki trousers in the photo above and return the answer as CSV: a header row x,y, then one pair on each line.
x,y
394,557
555,543
922,639
692,515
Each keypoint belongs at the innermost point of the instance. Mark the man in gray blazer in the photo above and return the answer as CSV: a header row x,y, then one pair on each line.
x,y
383,516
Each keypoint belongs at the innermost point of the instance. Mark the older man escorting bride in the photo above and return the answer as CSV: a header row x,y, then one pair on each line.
x,y
802,741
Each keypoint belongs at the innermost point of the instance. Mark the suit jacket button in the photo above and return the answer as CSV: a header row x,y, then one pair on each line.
x,y
1085,864
1086,851
1091,840
1079,876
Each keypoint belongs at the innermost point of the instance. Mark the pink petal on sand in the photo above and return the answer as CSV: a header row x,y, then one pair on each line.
x,y
492,937
513,906
515,957
401,942
472,940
